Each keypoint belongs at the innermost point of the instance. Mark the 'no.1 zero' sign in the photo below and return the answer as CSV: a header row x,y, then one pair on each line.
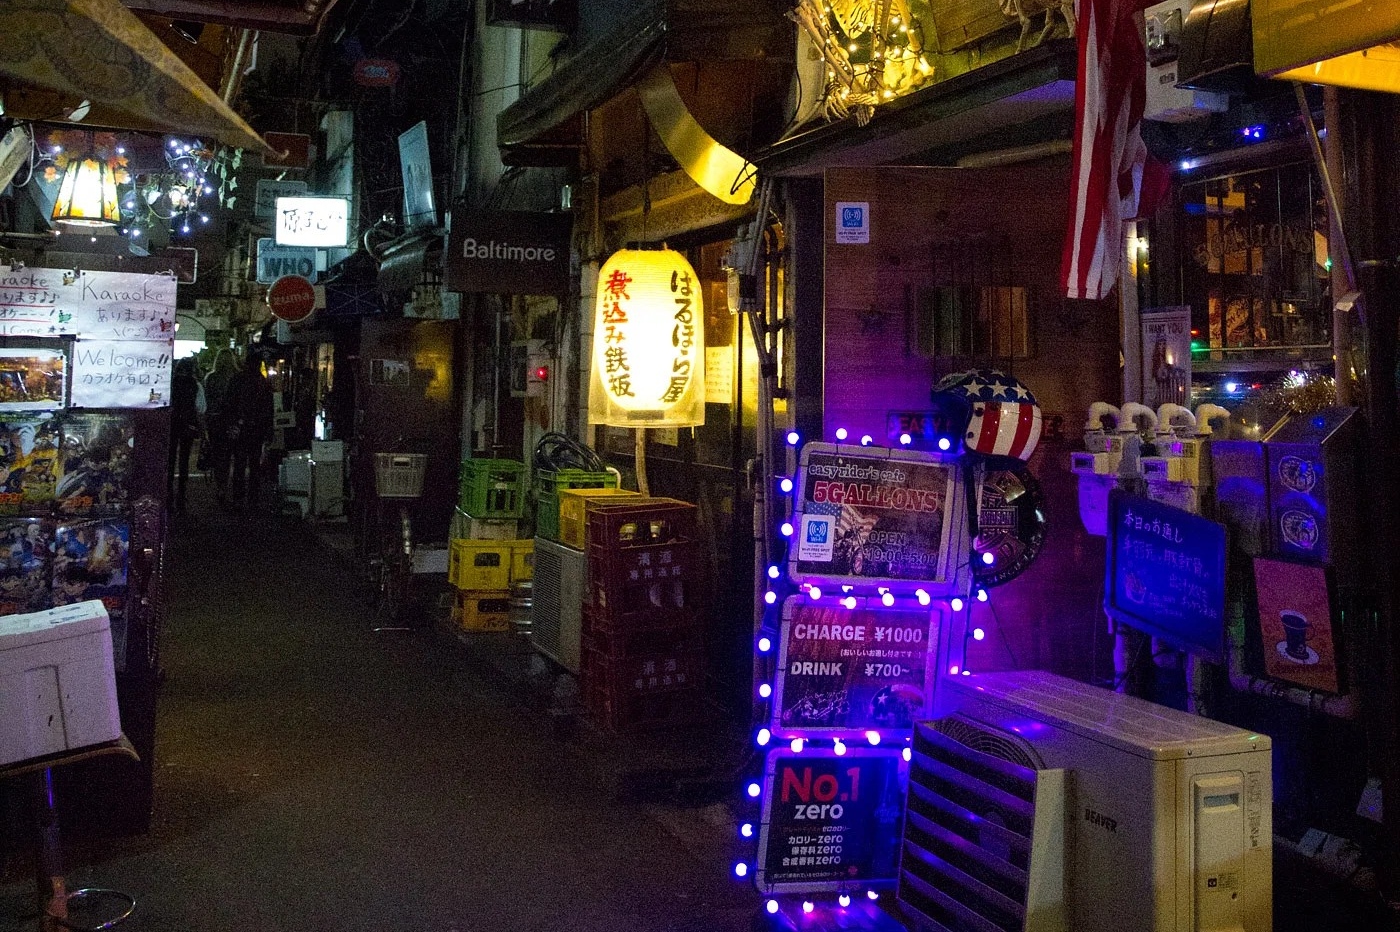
x,y
292,298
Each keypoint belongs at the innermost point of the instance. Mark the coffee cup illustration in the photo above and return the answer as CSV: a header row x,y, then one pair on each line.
x,y
1295,636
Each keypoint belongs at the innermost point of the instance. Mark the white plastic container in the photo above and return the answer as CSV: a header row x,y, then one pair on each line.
x,y
58,688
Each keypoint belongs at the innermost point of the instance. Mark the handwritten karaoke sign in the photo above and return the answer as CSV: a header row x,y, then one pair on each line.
x,y
121,374
37,302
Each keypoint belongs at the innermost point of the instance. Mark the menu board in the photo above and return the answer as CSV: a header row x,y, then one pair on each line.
x,y
830,822
1166,574
869,515
843,669
36,302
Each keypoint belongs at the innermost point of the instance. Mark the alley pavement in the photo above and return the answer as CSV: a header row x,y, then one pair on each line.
x,y
311,774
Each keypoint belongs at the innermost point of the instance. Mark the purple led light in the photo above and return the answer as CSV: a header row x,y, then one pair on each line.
x,y
763,737
873,737
953,669
944,444
989,558
808,906
872,895
754,790
849,601
785,484
773,572
746,830
887,599
841,433
770,597
765,690
981,595
772,907
866,440
922,596
796,745
978,634
956,605
814,593
906,439
741,869
793,437
844,899
765,645
786,529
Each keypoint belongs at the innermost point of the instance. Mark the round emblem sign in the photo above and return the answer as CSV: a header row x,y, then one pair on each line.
x,y
292,298
1010,523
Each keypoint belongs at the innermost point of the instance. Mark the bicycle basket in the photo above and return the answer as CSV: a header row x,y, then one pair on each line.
x,y
399,475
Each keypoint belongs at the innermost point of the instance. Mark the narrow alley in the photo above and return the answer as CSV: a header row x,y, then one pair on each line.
x,y
313,774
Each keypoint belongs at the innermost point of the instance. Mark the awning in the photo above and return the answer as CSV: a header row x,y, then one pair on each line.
x,y
97,50
1354,44
537,129
1025,98
403,262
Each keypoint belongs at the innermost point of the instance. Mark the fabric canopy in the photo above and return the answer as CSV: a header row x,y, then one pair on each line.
x,y
97,50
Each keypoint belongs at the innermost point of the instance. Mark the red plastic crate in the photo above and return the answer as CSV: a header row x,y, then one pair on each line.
x,y
641,521
602,636
647,584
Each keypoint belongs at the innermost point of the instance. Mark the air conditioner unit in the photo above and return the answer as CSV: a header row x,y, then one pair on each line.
x,y
1165,101
1040,803
560,584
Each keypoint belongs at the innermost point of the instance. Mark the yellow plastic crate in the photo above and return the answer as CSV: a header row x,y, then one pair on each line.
x,y
479,610
479,564
522,560
573,512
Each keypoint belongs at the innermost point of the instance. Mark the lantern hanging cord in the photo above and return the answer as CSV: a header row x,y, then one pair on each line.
x,y
557,451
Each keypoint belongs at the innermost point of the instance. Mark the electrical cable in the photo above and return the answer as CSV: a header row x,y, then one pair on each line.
x,y
556,451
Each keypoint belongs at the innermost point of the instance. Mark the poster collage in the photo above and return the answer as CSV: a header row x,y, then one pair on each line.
x,y
81,349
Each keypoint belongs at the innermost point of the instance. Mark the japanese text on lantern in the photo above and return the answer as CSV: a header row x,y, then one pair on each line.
x,y
682,335
618,372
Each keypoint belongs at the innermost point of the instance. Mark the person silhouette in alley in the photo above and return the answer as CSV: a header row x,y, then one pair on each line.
x,y
248,426
187,409
220,453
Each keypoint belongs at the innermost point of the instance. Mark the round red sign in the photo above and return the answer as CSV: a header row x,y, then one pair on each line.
x,y
292,298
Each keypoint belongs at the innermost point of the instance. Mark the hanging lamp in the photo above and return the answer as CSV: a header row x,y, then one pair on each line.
x,y
87,194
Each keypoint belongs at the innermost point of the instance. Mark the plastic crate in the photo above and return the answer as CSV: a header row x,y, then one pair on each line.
x,y
480,564
479,610
399,475
611,700
492,488
641,521
645,586
465,527
686,635
574,505
548,484
522,560
642,674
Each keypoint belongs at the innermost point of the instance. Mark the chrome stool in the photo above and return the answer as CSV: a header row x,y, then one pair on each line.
x,y
54,896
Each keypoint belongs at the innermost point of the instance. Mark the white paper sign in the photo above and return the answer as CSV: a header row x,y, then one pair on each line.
x,y
312,221
818,541
121,374
269,190
852,222
37,302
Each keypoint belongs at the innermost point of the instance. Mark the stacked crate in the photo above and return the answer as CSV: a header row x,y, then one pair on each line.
x,y
643,657
550,482
488,554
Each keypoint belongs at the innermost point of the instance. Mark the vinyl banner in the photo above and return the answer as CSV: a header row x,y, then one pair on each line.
x,y
38,302
869,515
830,822
843,669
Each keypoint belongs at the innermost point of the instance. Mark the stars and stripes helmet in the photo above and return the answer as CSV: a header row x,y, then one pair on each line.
x,y
1003,418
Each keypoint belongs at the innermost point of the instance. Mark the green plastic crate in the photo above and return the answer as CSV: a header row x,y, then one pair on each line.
x,y
548,483
492,488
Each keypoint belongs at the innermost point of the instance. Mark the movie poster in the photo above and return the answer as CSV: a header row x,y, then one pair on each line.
x,y
95,462
855,669
32,379
869,515
28,463
91,560
25,560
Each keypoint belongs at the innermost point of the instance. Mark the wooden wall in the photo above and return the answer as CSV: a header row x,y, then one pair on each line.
x,y
1049,617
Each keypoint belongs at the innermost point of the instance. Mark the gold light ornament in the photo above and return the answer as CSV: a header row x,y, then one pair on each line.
x,y
874,51
648,342
87,195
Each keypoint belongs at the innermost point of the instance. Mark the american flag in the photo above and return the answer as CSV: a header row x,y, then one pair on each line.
x,y
1005,418
1109,155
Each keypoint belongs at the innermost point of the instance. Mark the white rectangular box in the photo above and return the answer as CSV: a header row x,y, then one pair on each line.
x,y
58,688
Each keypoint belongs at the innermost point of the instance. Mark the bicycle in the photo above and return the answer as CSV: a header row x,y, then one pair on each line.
x,y
398,478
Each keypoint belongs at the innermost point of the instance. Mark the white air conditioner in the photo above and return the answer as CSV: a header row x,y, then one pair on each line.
x,y
1165,101
1040,803
556,621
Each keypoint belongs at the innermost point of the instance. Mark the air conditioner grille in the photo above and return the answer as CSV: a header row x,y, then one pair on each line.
x,y
968,827
544,623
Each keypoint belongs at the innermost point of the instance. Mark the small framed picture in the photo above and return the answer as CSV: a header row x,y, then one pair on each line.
x,y
1295,618
32,379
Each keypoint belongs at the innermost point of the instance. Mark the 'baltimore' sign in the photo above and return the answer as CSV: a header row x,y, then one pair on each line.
x,y
508,252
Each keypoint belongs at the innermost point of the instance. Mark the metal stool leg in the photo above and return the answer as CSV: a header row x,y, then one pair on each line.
x,y
54,898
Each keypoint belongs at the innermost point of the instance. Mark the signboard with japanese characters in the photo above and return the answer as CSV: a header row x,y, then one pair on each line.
x,y
323,222
830,821
121,374
39,302
1166,574
851,669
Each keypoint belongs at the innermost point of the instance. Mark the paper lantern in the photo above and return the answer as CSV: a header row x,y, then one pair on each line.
x,y
87,195
648,342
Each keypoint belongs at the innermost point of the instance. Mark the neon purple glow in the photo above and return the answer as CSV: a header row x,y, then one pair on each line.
x,y
922,596
887,599
866,440
746,830
785,484
808,906
953,669
956,605
849,601
871,894
763,737
814,593
978,634
989,558
841,433
773,572
792,438
908,755
839,747
906,439
944,444
981,595
754,790
967,673
844,899
770,597
772,907
786,529
764,645
741,869
765,690
796,745
873,737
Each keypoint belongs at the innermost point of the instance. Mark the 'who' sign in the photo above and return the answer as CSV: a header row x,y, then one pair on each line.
x,y
648,342
275,261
